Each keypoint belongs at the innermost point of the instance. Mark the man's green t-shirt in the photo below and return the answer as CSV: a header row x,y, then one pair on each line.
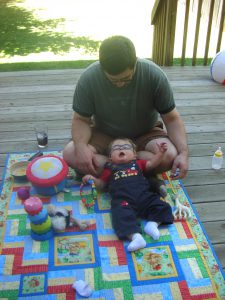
x,y
128,111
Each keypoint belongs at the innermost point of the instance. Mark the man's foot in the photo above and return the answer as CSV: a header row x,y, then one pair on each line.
x,y
137,242
151,228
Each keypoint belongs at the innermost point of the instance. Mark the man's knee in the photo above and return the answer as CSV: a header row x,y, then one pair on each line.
x,y
68,153
169,155
168,159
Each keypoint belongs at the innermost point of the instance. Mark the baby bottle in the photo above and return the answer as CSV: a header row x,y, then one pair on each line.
x,y
217,159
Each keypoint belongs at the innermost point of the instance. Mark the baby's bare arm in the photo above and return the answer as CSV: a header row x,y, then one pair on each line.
x,y
100,184
156,159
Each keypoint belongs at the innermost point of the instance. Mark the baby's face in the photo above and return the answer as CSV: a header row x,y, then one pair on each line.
x,y
122,152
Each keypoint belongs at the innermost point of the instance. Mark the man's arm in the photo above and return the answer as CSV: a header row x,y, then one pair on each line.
x,y
177,134
81,131
81,134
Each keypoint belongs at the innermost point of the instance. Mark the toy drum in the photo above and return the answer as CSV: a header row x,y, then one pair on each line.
x,y
47,174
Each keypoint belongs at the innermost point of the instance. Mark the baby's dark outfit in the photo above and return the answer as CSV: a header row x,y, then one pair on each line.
x,y
132,199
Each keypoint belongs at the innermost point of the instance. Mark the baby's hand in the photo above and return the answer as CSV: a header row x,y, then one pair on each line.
x,y
86,178
162,147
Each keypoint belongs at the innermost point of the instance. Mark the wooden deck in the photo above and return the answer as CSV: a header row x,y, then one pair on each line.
x,y
29,97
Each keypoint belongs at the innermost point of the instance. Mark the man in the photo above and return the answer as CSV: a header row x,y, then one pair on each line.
x,y
122,96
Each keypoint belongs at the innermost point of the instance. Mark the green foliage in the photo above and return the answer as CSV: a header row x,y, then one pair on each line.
x,y
49,65
21,33
188,61
76,64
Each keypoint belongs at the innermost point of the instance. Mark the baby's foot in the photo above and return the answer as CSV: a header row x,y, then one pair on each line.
x,y
82,288
137,242
151,228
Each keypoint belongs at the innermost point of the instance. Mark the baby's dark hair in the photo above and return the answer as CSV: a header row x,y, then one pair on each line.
x,y
124,139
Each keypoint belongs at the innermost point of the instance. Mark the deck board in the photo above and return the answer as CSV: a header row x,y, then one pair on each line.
x,y
29,97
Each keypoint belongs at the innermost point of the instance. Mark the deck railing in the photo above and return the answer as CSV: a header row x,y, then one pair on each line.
x,y
205,15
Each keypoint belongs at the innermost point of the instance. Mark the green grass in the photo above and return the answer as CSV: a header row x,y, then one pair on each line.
x,y
49,65
22,33
76,64
188,61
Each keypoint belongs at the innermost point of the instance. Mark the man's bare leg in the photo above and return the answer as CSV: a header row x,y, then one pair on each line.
x,y
157,185
151,149
69,156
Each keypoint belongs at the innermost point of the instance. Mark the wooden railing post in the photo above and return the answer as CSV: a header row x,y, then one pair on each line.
x,y
163,17
164,21
222,19
185,31
197,32
208,32
170,27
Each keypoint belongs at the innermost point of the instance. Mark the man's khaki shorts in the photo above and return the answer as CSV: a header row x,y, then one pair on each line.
x,y
101,141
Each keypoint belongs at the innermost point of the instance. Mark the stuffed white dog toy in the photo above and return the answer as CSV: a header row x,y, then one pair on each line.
x,y
61,219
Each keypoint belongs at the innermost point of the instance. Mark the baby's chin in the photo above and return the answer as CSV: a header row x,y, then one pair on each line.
x,y
121,160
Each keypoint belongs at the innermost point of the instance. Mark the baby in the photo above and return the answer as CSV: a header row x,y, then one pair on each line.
x,y
131,197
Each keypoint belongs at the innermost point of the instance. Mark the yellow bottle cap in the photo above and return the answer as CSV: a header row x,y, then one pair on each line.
x,y
219,152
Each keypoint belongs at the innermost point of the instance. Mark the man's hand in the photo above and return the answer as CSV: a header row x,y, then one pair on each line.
x,y
85,159
180,166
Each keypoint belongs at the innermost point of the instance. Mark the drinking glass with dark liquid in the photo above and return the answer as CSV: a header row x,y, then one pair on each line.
x,y
41,131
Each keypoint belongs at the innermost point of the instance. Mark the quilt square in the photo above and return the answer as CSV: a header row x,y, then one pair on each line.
x,y
156,262
103,202
74,250
33,284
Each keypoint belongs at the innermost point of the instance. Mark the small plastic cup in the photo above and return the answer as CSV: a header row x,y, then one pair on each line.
x,y
41,131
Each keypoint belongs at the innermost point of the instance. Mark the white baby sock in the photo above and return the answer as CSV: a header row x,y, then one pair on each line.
x,y
151,228
82,288
137,242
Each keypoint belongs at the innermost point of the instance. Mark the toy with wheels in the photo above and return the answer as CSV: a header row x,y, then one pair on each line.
x,y
217,68
88,199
